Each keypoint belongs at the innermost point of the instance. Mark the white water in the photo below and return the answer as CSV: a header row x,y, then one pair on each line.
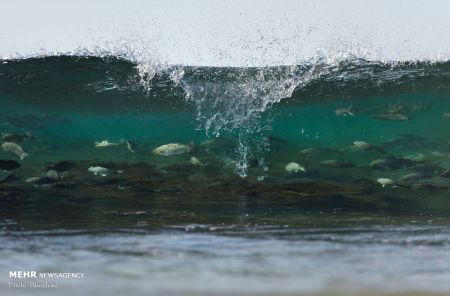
x,y
228,33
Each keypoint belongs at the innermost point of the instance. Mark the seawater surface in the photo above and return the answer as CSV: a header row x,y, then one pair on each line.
x,y
366,212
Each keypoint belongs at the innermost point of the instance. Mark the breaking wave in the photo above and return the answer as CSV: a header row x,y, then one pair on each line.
x,y
233,101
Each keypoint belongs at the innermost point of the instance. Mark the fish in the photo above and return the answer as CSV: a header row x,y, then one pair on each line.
x,y
332,163
104,144
446,174
415,176
15,149
172,149
196,162
62,166
320,151
9,165
294,167
98,170
31,121
385,181
347,111
361,145
52,174
16,137
392,116
4,176
392,163
131,146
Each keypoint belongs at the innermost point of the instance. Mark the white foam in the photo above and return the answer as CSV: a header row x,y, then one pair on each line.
x,y
228,33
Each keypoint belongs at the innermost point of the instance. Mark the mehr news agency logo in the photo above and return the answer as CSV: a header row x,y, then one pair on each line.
x,y
34,279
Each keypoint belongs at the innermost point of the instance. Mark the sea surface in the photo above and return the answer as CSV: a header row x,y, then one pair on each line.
x,y
314,179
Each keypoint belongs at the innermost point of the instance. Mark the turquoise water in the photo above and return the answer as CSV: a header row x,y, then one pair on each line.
x,y
233,214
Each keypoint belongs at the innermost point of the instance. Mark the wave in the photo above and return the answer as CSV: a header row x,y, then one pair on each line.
x,y
225,99
311,81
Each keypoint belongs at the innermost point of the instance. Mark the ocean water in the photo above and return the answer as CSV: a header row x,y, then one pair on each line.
x,y
225,216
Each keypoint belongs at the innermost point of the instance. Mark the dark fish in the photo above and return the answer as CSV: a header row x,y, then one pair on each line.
x,y
320,151
131,146
416,176
16,137
31,121
9,165
337,164
4,176
392,116
62,166
412,142
446,174
276,140
392,163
